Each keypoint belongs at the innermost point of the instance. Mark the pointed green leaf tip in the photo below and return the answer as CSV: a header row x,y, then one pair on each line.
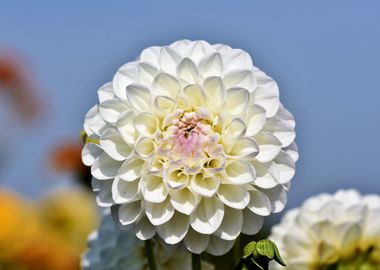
x,y
257,255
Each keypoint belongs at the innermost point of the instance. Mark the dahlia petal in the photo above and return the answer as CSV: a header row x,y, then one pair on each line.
x,y
215,164
240,78
124,77
195,94
126,128
124,191
239,172
197,50
266,94
96,184
104,167
175,178
129,213
159,213
89,118
255,120
277,197
286,116
236,101
113,144
237,59
234,130
180,45
348,234
267,174
234,196
219,247
252,223
151,55
281,130
222,48
164,105
90,153
144,147
166,85
208,216
144,229
139,97
188,71
211,65
132,169
173,231
215,91
110,110
244,148
269,146
184,201
104,194
146,73
94,125
231,225
205,185
154,189
106,92
146,124
168,59
292,150
286,167
259,203
196,242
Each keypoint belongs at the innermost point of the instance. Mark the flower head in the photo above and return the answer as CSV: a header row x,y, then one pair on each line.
x,y
190,141
339,231
112,248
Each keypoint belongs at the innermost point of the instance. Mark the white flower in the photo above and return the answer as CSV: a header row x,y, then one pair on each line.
x,y
113,249
331,231
191,142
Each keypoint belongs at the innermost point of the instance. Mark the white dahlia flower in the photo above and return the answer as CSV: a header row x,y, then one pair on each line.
x,y
190,142
110,248
328,232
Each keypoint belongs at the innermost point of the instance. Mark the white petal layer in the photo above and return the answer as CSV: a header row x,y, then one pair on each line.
x,y
175,230
208,216
196,242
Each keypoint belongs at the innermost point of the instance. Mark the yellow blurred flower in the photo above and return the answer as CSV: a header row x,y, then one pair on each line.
x,y
18,223
47,235
71,215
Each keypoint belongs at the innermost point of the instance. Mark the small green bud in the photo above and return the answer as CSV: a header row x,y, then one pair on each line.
x,y
257,255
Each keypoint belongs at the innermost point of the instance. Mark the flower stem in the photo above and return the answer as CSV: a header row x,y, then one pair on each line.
x,y
196,261
150,255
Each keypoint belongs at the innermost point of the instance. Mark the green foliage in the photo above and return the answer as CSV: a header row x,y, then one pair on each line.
x,y
257,255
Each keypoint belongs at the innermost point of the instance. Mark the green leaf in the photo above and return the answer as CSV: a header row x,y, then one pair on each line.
x,y
248,249
265,248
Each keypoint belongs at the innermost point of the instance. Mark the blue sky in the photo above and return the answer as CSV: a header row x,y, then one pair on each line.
x,y
325,57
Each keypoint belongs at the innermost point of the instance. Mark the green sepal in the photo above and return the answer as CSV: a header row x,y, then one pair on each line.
x,y
249,249
265,248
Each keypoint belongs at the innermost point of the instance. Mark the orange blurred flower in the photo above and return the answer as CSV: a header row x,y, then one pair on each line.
x,y
66,157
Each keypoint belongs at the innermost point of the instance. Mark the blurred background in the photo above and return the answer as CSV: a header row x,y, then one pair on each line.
x,y
54,56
